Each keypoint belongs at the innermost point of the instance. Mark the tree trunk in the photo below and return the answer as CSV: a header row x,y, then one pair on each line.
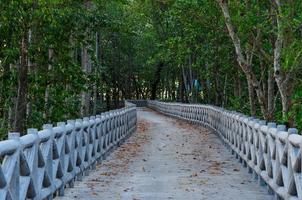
x,y
286,105
108,99
282,78
95,96
86,66
270,96
224,96
12,107
217,86
21,101
181,89
156,80
46,113
251,97
95,85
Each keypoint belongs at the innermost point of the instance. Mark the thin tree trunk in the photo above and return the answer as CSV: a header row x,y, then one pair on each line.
x,y
11,109
86,66
217,86
95,85
282,79
240,86
108,99
181,89
224,100
95,96
156,80
46,113
186,86
173,87
21,101
270,96
251,97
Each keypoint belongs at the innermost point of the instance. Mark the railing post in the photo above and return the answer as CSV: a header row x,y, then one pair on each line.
x,y
15,175
72,154
87,145
105,137
49,161
98,129
79,149
292,131
93,142
34,169
62,157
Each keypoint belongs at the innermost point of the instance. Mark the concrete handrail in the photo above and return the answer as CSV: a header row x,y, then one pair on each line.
x,y
42,163
271,153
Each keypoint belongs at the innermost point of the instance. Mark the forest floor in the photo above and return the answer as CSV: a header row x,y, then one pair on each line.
x,y
169,159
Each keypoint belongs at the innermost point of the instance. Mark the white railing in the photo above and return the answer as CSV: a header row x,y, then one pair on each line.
x,y
270,152
42,163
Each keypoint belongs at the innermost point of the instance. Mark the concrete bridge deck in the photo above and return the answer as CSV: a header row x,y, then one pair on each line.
x,y
169,159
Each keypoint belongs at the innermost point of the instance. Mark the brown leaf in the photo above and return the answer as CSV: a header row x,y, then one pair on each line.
x,y
194,174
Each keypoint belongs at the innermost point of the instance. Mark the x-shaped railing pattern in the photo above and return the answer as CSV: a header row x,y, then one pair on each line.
x,y
269,151
41,164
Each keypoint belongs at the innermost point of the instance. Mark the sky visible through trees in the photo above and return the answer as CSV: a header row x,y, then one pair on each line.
x,y
65,59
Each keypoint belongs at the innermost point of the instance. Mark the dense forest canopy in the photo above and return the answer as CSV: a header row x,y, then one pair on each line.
x,y
62,59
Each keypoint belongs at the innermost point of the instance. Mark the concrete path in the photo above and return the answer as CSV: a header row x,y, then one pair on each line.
x,y
169,159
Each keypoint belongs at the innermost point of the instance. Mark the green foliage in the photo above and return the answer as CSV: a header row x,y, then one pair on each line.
x,y
135,46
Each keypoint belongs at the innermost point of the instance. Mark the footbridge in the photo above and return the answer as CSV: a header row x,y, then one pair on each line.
x,y
154,150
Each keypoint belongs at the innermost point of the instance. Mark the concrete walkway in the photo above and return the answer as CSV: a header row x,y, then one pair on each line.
x,y
169,159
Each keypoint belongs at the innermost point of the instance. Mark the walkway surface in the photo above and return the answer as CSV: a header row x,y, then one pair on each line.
x,y
169,159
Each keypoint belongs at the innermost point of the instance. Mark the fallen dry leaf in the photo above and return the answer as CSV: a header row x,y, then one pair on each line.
x,y
194,174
